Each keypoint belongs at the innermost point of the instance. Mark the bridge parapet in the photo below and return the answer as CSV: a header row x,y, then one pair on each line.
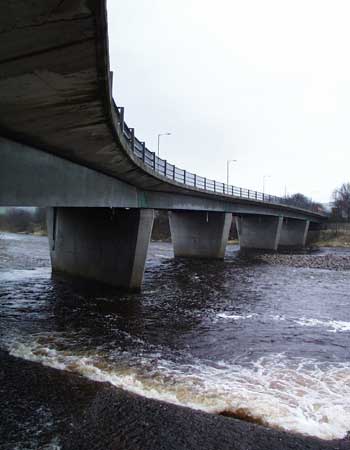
x,y
163,168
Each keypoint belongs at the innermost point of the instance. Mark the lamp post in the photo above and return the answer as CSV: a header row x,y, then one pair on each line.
x,y
159,135
228,171
158,147
264,178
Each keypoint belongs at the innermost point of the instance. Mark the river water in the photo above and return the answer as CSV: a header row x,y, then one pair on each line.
x,y
269,342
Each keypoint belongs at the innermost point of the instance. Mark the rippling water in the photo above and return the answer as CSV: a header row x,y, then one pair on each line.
x,y
269,342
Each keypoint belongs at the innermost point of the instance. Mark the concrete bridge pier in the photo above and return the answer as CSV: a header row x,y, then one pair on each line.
x,y
103,244
259,232
200,234
294,233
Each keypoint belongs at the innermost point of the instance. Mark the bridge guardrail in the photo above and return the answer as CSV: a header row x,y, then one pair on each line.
x,y
170,171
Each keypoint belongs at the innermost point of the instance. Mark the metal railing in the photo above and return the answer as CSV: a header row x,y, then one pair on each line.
x,y
170,171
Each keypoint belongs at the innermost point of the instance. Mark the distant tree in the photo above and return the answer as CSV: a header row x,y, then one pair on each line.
x,y
318,207
299,200
23,220
19,220
341,198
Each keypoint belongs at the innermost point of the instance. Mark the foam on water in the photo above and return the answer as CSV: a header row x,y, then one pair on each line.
x,y
296,395
235,316
332,326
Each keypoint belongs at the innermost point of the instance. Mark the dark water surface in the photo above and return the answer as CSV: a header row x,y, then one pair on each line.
x,y
268,341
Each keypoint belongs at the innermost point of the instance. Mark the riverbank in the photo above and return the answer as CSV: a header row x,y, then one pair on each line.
x,y
51,409
327,261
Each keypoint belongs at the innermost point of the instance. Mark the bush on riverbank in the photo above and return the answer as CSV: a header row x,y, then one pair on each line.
x,y
24,220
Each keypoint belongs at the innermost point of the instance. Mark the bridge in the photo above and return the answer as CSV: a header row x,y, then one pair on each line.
x,y
65,145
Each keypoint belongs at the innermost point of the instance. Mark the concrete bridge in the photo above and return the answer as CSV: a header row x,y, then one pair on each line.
x,y
64,144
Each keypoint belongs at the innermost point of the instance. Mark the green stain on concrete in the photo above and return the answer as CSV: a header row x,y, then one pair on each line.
x,y
142,200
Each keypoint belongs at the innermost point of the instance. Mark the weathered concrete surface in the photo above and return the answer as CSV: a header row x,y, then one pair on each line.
x,y
96,416
199,234
259,232
101,244
294,233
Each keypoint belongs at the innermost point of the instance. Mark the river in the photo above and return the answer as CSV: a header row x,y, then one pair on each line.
x,y
268,342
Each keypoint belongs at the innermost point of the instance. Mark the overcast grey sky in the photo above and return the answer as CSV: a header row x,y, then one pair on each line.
x,y
266,82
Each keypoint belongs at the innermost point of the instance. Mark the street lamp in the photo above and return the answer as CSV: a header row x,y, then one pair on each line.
x,y
264,178
159,135
228,171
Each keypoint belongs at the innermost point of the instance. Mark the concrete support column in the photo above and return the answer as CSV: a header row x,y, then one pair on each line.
x,y
101,244
294,233
259,232
199,234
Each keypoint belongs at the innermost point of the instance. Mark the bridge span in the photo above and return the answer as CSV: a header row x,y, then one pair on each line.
x,y
64,144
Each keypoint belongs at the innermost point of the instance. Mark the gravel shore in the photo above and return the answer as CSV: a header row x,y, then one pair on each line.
x,y
312,261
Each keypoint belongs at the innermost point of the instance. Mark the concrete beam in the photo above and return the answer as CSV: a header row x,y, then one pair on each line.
x,y
217,203
31,177
200,234
101,244
259,232
294,233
